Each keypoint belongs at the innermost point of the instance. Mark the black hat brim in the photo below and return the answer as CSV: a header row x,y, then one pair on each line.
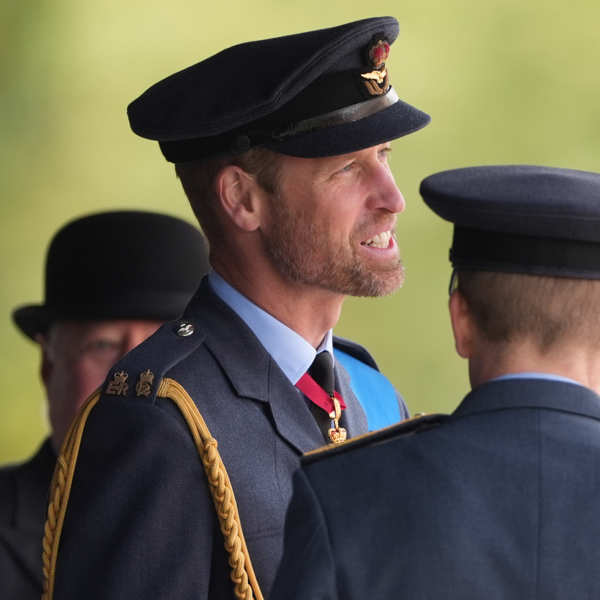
x,y
35,319
32,320
396,121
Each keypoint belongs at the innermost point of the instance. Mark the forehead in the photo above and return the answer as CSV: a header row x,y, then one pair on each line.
x,y
291,165
86,328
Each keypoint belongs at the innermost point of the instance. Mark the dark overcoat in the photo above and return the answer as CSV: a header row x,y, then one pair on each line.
x,y
498,501
23,506
140,522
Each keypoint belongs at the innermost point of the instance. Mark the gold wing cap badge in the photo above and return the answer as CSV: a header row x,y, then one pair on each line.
x,y
377,80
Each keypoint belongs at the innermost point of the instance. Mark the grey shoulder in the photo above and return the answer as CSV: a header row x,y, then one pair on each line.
x,y
356,350
407,427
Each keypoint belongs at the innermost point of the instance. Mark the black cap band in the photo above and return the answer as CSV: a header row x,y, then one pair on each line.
x,y
477,250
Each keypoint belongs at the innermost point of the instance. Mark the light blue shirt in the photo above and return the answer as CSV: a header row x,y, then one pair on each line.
x,y
536,375
292,353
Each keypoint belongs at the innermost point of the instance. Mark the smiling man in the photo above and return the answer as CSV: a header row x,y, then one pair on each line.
x,y
282,149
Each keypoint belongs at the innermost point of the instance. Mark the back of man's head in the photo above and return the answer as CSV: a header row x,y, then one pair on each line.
x,y
509,308
526,258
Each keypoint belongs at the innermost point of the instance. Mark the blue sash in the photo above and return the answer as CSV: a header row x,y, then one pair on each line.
x,y
375,393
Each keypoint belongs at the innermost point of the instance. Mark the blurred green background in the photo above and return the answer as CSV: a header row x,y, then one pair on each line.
x,y
505,81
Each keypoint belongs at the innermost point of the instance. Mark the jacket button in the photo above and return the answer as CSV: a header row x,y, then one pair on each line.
x,y
185,329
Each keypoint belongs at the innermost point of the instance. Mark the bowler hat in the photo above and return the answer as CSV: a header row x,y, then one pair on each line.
x,y
118,265
520,218
318,93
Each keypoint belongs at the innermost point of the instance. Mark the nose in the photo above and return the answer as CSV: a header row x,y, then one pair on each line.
x,y
386,195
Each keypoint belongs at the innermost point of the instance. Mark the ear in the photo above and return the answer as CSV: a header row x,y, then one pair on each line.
x,y
463,325
46,363
240,197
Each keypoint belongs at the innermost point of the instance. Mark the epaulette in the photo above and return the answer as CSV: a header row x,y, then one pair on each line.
x,y
408,426
141,370
356,350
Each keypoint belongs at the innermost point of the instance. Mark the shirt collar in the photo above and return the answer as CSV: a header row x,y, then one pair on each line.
x,y
535,375
292,353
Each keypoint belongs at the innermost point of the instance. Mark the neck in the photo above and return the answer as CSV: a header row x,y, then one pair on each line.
x,y
571,360
308,310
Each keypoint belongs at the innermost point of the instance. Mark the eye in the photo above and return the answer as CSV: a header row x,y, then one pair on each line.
x,y
348,167
101,346
385,154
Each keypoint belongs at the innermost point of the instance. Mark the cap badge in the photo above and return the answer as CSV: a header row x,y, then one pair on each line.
x,y
144,385
118,385
377,80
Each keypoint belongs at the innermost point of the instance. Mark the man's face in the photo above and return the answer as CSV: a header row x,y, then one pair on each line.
x,y
77,355
332,223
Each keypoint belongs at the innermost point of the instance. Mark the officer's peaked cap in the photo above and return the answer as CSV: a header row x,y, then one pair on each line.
x,y
118,265
520,218
312,94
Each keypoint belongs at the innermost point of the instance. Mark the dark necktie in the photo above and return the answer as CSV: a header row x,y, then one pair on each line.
x,y
318,385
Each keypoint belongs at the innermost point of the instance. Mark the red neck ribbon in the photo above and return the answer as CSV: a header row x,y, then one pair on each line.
x,y
310,388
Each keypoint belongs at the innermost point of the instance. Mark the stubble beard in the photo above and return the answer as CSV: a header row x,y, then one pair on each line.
x,y
304,254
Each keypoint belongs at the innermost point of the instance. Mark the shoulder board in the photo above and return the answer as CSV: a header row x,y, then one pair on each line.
x,y
356,350
141,370
408,426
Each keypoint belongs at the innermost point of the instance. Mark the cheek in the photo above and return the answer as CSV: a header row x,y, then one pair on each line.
x,y
335,211
89,374
71,386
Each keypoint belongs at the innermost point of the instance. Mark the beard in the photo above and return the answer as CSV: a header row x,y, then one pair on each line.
x,y
304,252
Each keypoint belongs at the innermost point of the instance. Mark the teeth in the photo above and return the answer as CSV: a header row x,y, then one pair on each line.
x,y
381,240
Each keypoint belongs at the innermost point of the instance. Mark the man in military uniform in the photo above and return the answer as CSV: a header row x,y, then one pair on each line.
x,y
100,302
499,499
282,148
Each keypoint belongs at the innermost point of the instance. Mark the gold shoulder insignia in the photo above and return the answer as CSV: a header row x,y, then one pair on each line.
x,y
118,385
419,422
144,385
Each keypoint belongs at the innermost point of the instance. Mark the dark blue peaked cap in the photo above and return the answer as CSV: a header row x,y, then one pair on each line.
x,y
319,93
520,218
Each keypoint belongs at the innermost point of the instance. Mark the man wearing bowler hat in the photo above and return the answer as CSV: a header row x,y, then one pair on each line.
x,y
281,146
499,499
101,301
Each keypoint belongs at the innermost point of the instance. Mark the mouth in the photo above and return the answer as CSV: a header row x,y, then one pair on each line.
x,y
380,240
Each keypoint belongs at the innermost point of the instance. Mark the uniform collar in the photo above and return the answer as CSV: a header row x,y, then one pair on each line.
x,y
292,353
531,393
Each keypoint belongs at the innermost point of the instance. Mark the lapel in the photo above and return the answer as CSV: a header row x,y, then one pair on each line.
x,y
531,393
251,371
24,539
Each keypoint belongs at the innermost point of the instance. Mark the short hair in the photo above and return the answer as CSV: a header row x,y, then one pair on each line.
x,y
513,306
198,179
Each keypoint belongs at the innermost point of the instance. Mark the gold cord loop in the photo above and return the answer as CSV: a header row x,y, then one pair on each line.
x,y
242,573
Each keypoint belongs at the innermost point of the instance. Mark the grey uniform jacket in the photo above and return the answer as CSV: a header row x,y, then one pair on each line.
x,y
23,505
498,501
140,522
